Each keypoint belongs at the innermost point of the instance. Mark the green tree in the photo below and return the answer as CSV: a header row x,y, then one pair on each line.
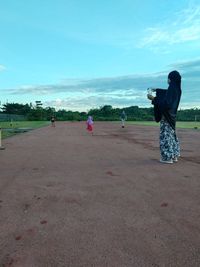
x,y
15,108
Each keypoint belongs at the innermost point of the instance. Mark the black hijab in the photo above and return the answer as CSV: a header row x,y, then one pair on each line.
x,y
166,104
174,91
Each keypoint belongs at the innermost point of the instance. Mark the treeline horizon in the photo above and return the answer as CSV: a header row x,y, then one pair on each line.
x,y
103,113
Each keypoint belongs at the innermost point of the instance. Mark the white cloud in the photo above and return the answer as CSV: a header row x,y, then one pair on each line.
x,y
109,85
116,91
89,102
2,67
183,27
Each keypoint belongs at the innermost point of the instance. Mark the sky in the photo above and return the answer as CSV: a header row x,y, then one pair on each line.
x,y
83,54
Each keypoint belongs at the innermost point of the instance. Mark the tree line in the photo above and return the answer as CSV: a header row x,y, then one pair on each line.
x,y
104,113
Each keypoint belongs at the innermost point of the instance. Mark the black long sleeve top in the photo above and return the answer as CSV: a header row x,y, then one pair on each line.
x,y
166,104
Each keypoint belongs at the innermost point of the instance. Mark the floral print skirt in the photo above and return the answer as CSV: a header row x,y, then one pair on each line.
x,y
169,144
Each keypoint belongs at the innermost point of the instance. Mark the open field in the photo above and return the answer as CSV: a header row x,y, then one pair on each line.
x,y
20,125
180,124
69,199
37,124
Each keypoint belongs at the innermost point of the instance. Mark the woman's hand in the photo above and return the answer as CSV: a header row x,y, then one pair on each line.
x,y
150,97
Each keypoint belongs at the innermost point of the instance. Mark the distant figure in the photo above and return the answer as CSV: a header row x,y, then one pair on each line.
x,y
11,123
90,124
166,104
123,118
53,121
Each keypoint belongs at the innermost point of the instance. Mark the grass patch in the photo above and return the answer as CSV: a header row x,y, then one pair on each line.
x,y
9,128
144,123
179,124
188,124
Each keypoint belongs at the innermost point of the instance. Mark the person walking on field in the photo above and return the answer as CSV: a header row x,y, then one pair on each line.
x,y
165,110
53,121
90,124
123,118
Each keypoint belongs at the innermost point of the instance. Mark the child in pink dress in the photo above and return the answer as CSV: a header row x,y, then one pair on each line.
x,y
90,124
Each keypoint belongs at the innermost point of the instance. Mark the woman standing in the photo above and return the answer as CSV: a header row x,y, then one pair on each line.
x,y
166,108
53,121
90,124
123,118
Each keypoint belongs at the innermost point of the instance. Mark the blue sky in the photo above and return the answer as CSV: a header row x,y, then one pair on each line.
x,y
78,55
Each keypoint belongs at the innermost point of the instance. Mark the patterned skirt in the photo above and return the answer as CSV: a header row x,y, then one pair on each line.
x,y
169,144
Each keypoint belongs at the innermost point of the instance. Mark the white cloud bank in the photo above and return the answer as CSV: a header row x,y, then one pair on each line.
x,y
116,91
182,27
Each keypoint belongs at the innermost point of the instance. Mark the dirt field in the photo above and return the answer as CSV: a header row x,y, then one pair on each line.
x,y
69,199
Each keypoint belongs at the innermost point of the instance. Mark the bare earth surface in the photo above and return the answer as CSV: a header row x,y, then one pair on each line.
x,y
71,199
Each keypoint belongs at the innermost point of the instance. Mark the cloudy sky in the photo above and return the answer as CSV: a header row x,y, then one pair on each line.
x,y
81,54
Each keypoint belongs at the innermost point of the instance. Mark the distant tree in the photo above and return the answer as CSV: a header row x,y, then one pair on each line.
x,y
36,114
15,108
49,112
106,112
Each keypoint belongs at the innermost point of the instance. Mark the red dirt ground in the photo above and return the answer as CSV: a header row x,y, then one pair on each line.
x,y
70,199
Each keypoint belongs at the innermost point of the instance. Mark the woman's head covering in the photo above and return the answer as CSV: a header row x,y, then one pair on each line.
x,y
175,79
90,120
172,98
166,103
